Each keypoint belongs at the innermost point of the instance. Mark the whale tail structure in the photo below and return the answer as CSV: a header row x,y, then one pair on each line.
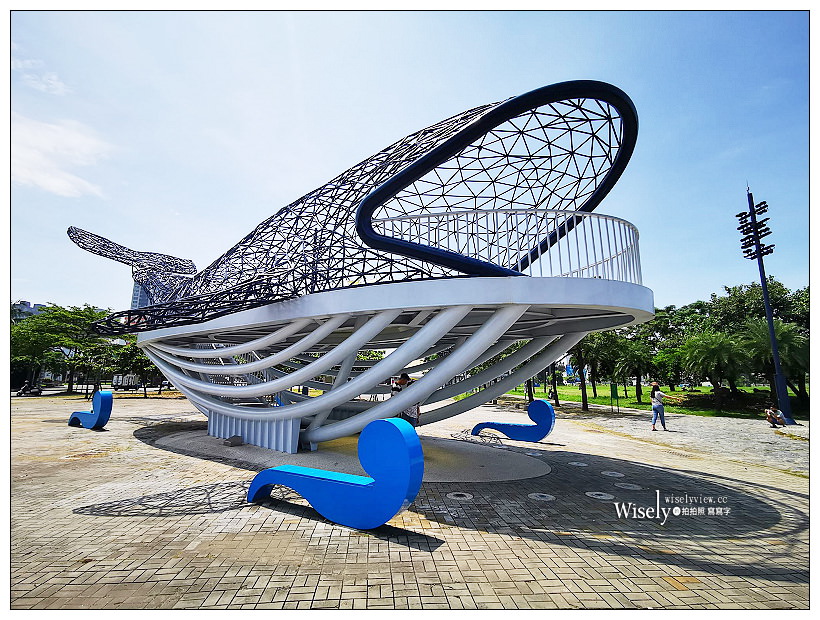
x,y
158,274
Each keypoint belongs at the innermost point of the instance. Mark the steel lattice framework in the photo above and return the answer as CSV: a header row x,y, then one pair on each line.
x,y
561,147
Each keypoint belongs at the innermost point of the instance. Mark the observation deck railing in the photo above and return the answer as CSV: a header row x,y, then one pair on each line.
x,y
537,242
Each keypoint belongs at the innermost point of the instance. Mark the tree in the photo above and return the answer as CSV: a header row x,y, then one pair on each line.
x,y
553,372
57,336
798,313
670,328
689,320
798,372
578,358
73,324
792,346
514,346
130,359
634,359
602,354
717,356
96,361
669,367
29,345
744,302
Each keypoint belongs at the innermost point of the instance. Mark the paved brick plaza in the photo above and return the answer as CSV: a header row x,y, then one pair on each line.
x,y
130,518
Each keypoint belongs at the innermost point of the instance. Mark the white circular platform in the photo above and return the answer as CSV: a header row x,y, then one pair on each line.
x,y
445,460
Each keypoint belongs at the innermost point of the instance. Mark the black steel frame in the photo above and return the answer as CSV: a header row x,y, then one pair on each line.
x,y
558,147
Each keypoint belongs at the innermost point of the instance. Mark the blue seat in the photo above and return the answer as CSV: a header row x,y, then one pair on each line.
x,y
99,414
389,451
540,412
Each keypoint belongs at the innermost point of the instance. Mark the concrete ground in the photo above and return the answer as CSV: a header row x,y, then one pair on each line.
x,y
150,513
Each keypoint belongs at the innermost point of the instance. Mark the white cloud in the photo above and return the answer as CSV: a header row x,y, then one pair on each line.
x,y
46,82
18,64
33,75
43,153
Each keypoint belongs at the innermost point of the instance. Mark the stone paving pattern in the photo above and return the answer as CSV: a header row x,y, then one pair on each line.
x,y
107,520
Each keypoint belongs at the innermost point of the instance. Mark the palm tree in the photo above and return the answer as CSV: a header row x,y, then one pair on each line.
x,y
634,359
717,356
802,359
792,346
600,356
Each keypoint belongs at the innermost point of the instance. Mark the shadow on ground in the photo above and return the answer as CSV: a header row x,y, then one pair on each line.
x,y
572,518
205,499
226,496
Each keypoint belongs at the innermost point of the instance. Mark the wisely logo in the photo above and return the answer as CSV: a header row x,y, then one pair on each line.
x,y
633,511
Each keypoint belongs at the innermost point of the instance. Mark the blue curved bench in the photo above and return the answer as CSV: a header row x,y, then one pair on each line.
x,y
99,414
389,451
540,412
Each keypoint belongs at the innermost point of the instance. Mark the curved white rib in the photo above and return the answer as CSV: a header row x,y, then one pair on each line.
x,y
435,329
237,349
351,344
533,347
261,364
438,348
531,368
454,363
266,367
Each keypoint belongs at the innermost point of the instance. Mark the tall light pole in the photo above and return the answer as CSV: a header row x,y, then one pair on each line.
x,y
753,230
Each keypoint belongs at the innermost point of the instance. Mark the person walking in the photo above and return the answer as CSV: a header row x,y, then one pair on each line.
x,y
656,398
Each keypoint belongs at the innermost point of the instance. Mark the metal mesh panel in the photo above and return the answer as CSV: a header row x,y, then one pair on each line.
x,y
555,155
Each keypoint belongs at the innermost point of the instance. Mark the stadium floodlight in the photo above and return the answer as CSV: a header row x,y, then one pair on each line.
x,y
754,230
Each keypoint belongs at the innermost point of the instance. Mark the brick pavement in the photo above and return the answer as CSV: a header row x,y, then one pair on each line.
x,y
108,520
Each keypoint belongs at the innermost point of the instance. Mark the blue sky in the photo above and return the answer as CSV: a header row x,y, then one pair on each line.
x,y
178,132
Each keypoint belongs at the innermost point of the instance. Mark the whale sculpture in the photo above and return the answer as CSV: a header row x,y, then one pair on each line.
x,y
389,451
540,412
99,415
466,255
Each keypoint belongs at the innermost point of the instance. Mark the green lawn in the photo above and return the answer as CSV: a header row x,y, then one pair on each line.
x,y
699,401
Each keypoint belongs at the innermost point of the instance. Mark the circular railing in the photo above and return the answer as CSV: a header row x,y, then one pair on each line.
x,y
536,242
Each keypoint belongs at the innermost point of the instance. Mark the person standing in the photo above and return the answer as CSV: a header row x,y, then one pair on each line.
x,y
656,398
410,414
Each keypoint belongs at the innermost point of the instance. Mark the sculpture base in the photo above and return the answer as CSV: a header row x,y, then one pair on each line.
x,y
281,435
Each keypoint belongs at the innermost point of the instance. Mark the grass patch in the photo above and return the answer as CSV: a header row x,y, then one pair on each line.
x,y
698,401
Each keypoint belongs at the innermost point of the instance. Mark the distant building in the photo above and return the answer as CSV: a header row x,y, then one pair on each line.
x,y
24,308
139,298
